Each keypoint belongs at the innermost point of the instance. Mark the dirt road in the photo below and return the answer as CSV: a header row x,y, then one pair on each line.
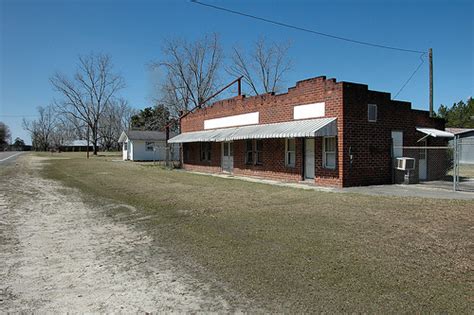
x,y
59,254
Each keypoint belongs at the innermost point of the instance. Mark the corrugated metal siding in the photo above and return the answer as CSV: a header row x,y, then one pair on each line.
x,y
466,148
139,152
292,129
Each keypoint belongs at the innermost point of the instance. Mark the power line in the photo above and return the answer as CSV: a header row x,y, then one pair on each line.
x,y
324,34
412,75
21,116
307,30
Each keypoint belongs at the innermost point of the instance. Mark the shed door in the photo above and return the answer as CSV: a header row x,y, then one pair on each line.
x,y
124,150
422,166
309,158
227,157
129,150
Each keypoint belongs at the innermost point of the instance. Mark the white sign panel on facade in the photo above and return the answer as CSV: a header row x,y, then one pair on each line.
x,y
313,110
232,121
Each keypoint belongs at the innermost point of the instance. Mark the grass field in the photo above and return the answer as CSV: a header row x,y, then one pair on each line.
x,y
290,249
466,170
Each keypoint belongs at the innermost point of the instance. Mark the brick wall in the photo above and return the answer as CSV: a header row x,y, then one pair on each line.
x,y
273,109
273,160
369,142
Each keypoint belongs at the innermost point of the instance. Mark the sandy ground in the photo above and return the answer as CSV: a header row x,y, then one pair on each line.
x,y
59,254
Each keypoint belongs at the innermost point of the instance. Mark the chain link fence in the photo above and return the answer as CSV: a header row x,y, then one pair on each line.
x,y
450,167
463,170
430,165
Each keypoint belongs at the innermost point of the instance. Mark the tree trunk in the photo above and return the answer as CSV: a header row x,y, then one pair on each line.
x,y
94,143
94,139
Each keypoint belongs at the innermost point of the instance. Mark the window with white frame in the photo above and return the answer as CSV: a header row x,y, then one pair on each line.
x,y
290,152
253,152
329,152
205,151
149,146
125,146
372,112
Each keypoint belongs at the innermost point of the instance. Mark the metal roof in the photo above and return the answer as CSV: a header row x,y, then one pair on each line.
x,y
459,131
291,129
435,132
77,143
143,135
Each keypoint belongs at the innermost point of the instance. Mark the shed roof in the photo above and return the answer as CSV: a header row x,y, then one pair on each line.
x,y
458,131
146,135
291,129
77,143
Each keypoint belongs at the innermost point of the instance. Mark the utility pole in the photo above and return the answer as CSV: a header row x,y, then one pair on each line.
x,y
167,151
430,57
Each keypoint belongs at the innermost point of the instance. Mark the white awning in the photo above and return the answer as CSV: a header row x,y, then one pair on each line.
x,y
435,132
291,129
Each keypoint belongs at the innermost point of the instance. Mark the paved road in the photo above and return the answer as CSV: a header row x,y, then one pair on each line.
x,y
7,158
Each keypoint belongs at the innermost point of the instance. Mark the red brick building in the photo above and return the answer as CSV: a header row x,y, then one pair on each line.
x,y
327,132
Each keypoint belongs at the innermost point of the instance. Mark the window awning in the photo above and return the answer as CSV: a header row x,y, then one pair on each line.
x,y
291,129
435,132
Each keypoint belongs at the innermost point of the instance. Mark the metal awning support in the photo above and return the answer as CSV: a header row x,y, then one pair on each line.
x,y
291,129
423,138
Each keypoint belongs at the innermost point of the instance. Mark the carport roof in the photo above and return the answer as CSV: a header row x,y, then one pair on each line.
x,y
435,132
291,129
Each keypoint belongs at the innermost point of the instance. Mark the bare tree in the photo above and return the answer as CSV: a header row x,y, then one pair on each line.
x,y
66,131
115,119
41,129
264,68
191,72
87,94
75,128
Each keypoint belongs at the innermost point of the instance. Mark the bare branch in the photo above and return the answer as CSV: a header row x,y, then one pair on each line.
x,y
191,72
92,88
262,70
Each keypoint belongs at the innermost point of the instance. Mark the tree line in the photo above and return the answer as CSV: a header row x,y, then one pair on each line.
x,y
459,115
89,106
6,142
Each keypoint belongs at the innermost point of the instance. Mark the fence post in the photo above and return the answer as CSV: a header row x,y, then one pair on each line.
x,y
458,158
455,163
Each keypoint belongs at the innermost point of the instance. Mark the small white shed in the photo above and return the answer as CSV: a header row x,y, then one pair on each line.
x,y
140,145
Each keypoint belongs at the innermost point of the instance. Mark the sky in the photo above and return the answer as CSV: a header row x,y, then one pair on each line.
x,y
39,38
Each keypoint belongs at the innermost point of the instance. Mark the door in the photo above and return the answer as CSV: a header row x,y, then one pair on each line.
x,y
309,158
124,151
422,166
397,143
227,157
129,150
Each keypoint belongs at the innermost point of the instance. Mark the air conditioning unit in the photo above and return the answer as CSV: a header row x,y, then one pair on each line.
x,y
405,163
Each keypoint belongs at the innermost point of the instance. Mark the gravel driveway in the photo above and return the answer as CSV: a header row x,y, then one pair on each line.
x,y
60,254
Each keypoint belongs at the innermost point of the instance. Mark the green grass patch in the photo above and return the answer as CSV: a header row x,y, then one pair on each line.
x,y
292,249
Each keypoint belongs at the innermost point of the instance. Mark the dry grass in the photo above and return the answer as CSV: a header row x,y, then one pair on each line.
x,y
297,250
466,170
